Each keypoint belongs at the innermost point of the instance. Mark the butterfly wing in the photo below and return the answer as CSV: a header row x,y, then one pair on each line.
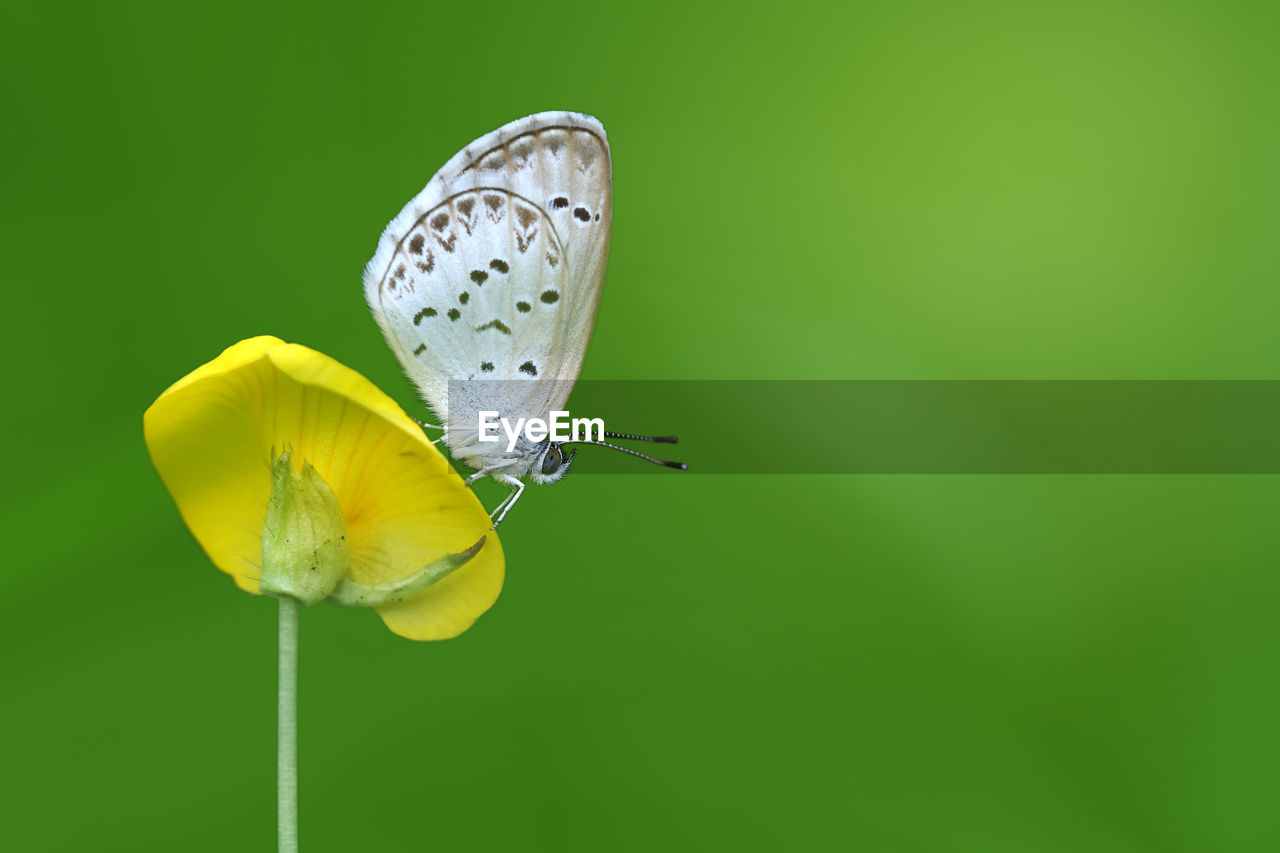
x,y
494,270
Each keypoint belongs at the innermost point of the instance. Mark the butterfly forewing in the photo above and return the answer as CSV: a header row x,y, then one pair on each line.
x,y
494,270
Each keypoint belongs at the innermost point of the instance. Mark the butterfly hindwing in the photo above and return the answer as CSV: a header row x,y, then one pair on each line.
x,y
473,291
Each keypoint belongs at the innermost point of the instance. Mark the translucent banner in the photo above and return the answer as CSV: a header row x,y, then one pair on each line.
x,y
907,427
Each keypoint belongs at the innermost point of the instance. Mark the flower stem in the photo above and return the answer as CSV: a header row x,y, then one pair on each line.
x,y
287,736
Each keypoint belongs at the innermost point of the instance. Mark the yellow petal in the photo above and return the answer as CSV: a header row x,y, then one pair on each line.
x,y
236,355
454,603
211,437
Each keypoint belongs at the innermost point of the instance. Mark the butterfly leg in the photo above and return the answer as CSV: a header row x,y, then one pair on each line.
x,y
501,510
426,425
484,472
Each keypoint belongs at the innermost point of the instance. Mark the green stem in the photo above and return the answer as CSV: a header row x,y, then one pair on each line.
x,y
287,740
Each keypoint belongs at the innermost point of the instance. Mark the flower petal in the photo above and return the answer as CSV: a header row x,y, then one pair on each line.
x,y
454,603
211,437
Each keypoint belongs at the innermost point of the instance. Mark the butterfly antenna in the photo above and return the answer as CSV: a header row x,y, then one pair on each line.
x,y
679,465
663,439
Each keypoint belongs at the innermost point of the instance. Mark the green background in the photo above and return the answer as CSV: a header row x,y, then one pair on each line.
x,y
872,191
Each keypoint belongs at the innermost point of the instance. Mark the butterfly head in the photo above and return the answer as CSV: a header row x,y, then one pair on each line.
x,y
551,464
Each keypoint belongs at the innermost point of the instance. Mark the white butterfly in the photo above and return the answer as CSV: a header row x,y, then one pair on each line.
x,y
493,272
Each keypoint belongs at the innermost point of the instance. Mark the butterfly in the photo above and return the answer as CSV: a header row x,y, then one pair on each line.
x,y
486,287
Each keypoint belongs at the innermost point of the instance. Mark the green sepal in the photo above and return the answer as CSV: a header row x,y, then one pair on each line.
x,y
352,594
304,540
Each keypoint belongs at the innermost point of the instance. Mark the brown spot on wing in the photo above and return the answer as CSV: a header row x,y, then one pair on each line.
x,y
522,148
528,218
494,161
465,213
588,151
553,139
494,203
428,264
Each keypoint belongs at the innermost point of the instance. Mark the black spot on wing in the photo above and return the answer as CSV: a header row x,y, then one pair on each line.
x,y
523,307
528,368
550,297
495,324
486,366
479,276
425,312
499,265
581,213
454,313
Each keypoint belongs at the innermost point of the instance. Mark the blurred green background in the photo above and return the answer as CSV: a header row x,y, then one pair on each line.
x,y
910,190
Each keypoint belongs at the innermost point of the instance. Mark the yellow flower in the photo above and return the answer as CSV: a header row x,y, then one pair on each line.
x,y
220,436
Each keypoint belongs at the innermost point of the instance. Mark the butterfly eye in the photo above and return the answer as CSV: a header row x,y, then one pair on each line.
x,y
551,460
